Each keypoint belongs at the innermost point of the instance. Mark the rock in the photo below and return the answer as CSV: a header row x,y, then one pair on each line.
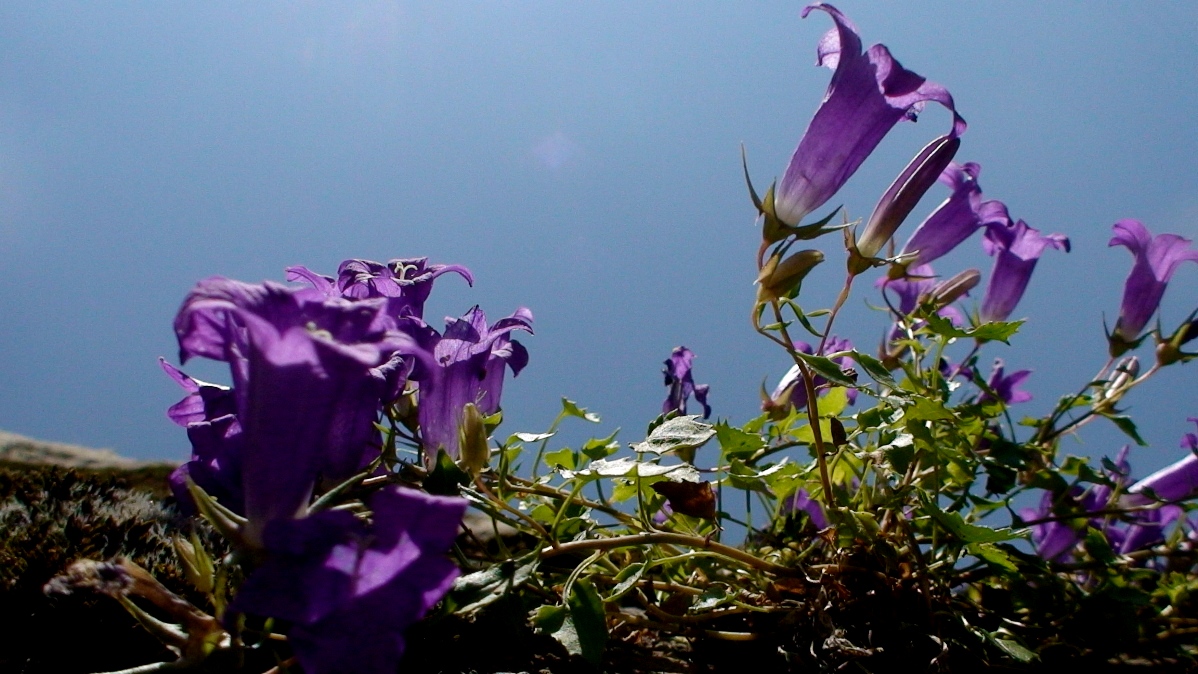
x,y
18,449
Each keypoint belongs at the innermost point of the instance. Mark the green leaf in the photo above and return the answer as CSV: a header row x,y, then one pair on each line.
x,y
986,332
529,437
590,620
627,579
1128,427
627,467
562,458
993,555
1015,650
715,595
827,368
926,409
876,370
601,448
570,408
446,477
481,588
677,435
736,443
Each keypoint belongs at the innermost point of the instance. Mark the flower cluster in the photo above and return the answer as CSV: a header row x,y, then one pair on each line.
x,y
312,369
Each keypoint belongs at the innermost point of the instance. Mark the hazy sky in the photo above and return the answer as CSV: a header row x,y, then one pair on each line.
x,y
582,160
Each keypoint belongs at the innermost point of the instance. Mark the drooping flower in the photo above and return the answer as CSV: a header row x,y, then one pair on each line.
x,y
1156,260
802,501
1006,386
467,366
956,218
1175,482
306,391
791,389
680,383
348,589
405,283
869,94
209,413
1056,538
1016,250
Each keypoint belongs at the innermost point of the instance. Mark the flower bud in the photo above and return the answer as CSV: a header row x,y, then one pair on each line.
x,y
953,289
1168,351
1120,380
781,278
902,196
475,451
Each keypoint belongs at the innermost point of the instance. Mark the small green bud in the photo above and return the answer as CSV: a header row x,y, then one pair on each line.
x,y
782,277
475,451
953,289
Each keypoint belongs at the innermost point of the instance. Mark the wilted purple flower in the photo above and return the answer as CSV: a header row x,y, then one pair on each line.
x,y
1156,260
349,590
467,367
869,93
1175,482
1016,249
791,385
405,283
955,219
681,383
306,393
1006,386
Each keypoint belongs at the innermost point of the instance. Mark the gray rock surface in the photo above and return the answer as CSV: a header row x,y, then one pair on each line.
x,y
20,449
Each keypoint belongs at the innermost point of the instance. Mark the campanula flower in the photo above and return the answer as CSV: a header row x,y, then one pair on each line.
x,y
1175,482
405,283
1016,250
306,390
466,366
348,589
1156,260
955,219
680,383
791,389
1006,386
869,94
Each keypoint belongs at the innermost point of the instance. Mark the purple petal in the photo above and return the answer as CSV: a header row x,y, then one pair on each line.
x,y
1156,260
869,93
1016,249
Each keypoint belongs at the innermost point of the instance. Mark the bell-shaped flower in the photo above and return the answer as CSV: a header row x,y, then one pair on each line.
x,y
869,94
1005,387
954,220
405,283
1016,250
791,389
348,589
680,383
307,394
467,366
1157,258
1176,482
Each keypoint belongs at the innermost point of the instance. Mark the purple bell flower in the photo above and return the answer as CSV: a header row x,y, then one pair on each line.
x,y
307,394
791,386
1156,260
1006,386
955,219
681,383
467,366
869,94
1016,250
405,283
1176,482
350,589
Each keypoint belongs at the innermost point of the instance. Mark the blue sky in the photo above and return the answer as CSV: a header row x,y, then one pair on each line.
x,y
582,160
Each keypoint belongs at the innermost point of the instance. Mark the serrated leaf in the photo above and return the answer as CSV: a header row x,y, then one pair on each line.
x,y
926,409
627,579
627,467
993,555
1015,650
570,408
999,331
561,458
737,443
530,437
677,435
